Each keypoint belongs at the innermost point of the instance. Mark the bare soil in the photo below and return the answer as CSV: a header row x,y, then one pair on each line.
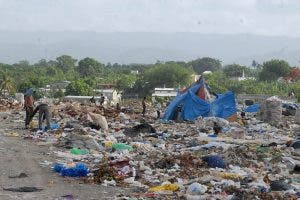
x,y
24,156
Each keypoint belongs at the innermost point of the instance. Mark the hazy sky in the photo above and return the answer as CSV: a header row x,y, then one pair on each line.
x,y
267,17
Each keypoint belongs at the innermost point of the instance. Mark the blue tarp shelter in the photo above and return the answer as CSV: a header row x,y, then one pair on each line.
x,y
193,106
253,108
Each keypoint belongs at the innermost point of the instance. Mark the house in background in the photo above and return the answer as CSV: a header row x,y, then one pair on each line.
x,y
62,85
243,78
111,94
135,72
45,91
109,91
81,99
165,92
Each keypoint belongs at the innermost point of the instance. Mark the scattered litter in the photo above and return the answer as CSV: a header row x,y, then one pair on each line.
x,y
77,151
24,189
11,134
251,155
79,170
120,146
214,161
21,175
68,197
164,187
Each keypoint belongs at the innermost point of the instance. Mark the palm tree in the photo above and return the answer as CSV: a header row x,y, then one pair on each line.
x,y
6,84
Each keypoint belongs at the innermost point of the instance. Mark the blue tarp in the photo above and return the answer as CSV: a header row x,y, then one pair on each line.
x,y
193,106
253,108
171,109
224,106
290,105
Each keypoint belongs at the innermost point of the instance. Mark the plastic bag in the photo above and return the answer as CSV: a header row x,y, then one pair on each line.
x,y
77,151
121,146
165,187
80,170
214,161
100,121
196,189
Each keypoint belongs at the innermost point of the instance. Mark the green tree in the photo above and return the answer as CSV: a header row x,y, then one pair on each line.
x,y
168,75
58,94
23,86
90,67
51,71
235,70
79,87
23,63
217,81
7,84
125,82
66,63
205,64
273,69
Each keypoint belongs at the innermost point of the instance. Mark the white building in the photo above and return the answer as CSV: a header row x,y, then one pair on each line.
x,y
111,94
135,72
62,85
164,92
81,99
207,72
243,78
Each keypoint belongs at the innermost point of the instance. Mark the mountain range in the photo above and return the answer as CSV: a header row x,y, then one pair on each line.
x,y
141,47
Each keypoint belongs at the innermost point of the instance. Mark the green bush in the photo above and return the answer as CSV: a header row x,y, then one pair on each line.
x,y
79,88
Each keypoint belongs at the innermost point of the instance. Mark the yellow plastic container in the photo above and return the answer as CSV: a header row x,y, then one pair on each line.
x,y
165,187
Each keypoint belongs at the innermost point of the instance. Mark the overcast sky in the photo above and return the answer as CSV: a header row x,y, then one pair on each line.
x,y
267,17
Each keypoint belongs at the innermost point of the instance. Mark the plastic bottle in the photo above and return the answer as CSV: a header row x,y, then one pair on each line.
x,y
121,146
77,151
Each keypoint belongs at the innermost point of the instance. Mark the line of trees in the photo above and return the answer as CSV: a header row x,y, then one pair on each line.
x,y
87,73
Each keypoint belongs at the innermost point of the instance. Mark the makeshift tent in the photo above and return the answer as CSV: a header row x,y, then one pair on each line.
x,y
253,108
195,102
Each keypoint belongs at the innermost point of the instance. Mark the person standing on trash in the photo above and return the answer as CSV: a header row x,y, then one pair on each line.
x,y
118,107
102,98
92,100
158,108
44,114
217,128
28,105
144,106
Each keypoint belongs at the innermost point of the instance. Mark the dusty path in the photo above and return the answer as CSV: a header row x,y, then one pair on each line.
x,y
18,155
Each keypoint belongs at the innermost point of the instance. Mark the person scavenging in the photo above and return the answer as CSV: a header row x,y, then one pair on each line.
x,y
158,108
92,100
144,106
28,105
292,93
217,128
44,114
102,98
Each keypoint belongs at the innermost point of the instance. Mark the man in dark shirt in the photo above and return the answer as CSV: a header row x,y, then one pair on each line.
x,y
28,105
44,114
144,106
102,98
92,100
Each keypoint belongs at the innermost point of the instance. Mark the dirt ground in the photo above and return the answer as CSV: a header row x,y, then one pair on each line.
x,y
18,155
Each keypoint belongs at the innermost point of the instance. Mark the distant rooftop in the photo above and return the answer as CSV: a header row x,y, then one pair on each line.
x,y
165,89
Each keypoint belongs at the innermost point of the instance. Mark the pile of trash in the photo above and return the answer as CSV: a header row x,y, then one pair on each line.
x,y
9,104
209,158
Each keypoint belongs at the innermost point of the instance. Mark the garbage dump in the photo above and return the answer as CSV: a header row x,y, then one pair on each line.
x,y
9,104
271,111
205,158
